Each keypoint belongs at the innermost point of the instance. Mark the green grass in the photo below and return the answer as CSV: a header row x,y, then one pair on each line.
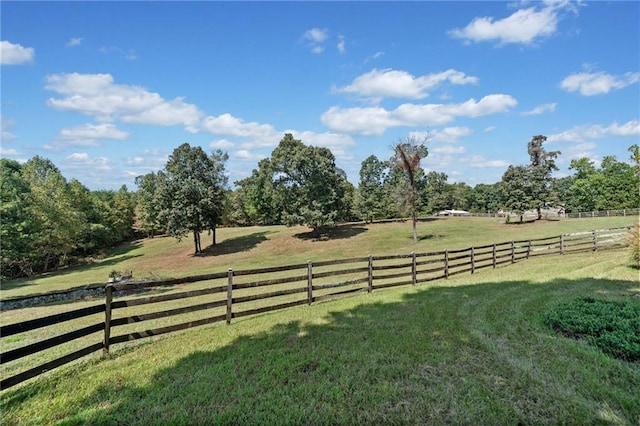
x,y
474,349
254,247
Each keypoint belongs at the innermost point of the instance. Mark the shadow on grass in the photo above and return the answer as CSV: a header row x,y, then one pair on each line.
x,y
463,355
236,245
334,233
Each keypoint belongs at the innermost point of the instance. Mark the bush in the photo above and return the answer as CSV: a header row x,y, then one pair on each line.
x,y
633,238
611,326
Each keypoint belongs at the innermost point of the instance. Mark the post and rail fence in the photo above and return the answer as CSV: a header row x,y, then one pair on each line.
x,y
224,296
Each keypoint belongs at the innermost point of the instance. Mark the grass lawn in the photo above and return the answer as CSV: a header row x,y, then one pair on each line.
x,y
473,349
254,247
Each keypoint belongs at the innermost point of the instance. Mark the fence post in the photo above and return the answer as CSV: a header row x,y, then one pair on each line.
x,y
414,267
494,256
513,252
473,260
108,293
595,240
561,243
529,249
309,282
229,294
370,275
446,263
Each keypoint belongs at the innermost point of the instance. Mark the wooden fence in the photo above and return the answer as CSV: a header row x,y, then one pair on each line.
x,y
234,294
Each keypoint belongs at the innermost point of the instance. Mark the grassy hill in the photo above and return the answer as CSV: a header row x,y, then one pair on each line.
x,y
473,349
252,247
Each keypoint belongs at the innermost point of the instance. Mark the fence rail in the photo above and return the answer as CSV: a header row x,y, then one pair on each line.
x,y
236,294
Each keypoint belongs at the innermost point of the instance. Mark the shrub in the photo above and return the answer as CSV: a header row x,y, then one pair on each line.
x,y
611,326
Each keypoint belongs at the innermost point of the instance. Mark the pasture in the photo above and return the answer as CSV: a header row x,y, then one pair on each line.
x,y
256,247
470,349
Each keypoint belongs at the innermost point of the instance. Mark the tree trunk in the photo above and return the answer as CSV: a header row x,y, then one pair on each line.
x,y
214,235
196,242
413,214
539,213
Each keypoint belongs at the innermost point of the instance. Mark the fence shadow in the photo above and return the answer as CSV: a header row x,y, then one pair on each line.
x,y
418,358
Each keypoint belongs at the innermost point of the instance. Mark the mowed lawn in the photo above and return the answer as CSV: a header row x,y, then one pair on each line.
x,y
473,349
255,247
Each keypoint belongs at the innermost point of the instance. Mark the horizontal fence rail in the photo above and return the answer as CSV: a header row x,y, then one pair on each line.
x,y
235,294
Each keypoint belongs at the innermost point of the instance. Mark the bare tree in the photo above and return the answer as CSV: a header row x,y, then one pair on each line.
x,y
407,155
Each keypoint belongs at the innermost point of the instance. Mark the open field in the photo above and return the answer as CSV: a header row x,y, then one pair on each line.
x,y
472,349
255,247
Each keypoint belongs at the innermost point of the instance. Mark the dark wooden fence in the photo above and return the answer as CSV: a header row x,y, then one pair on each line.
x,y
235,294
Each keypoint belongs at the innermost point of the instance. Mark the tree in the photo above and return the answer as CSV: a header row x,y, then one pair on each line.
x,y
148,207
485,198
307,185
57,221
542,165
407,156
529,187
257,201
16,223
436,191
192,191
372,202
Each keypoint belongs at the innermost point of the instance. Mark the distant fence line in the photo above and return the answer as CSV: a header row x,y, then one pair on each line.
x,y
236,294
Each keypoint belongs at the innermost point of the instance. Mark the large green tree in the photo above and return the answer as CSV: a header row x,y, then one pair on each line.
x,y
192,192
57,221
16,222
372,199
148,205
308,186
530,187
407,155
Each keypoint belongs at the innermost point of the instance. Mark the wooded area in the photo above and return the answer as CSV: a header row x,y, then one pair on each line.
x,y
235,294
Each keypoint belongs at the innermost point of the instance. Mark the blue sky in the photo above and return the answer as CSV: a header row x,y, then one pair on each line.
x,y
108,90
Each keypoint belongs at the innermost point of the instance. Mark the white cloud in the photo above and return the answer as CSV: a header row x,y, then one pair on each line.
x,y
541,109
315,38
401,84
337,143
227,124
589,84
341,45
5,125
316,35
15,54
74,41
451,134
480,162
94,131
375,120
86,135
374,56
222,144
150,160
8,151
98,96
448,149
524,26
489,129
82,161
596,131
246,155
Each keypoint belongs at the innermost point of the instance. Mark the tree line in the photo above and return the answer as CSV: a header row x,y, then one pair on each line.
x,y
49,222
